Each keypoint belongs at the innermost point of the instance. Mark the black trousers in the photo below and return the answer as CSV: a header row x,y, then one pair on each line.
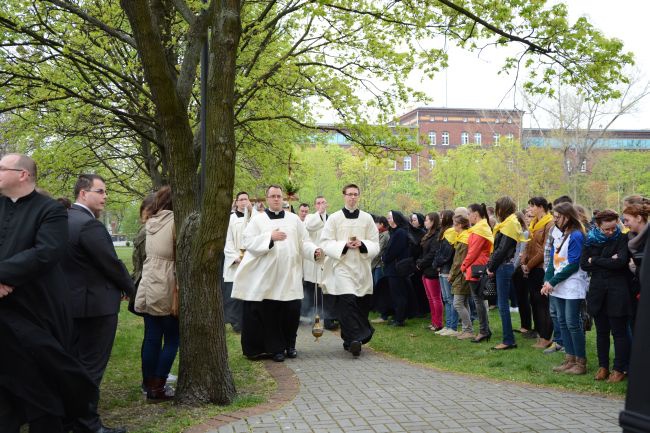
x,y
12,417
94,337
523,298
269,326
232,308
617,326
352,312
540,304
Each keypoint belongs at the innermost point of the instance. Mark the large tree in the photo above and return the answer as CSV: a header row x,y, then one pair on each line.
x,y
131,68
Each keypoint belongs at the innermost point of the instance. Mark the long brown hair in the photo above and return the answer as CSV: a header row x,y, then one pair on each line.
x,y
435,219
573,219
163,200
446,221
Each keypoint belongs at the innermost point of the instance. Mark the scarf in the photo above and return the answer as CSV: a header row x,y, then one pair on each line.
x,y
463,237
536,224
637,243
511,228
596,237
450,235
482,228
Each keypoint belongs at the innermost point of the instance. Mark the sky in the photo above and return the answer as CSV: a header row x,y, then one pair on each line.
x,y
471,81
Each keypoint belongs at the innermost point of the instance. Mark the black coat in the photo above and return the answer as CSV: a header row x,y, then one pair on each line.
x,y
430,248
96,276
445,257
35,323
504,251
609,289
396,250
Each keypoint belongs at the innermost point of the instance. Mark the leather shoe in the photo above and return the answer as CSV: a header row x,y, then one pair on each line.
x,y
355,348
601,374
278,357
292,353
503,346
616,376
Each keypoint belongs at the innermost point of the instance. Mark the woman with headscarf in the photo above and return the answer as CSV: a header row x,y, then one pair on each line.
x,y
398,249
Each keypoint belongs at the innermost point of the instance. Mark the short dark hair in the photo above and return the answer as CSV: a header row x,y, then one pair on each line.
x,y
380,219
605,216
350,185
317,197
562,199
85,182
241,193
272,186
540,201
303,205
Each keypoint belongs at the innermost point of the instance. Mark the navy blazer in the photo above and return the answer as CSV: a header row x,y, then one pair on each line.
x,y
96,276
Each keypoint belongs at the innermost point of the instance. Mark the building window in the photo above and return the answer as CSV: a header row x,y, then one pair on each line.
x,y
407,163
464,119
510,138
444,119
464,138
478,120
496,137
583,166
394,165
509,119
445,138
432,163
568,166
496,120
477,138
432,138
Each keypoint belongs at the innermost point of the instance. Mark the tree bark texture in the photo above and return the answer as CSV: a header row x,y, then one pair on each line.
x,y
204,374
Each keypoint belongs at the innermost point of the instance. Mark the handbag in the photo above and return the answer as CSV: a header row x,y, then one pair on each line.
x,y
478,270
488,287
405,267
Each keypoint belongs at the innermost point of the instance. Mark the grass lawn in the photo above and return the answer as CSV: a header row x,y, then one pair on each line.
x,y
122,402
525,365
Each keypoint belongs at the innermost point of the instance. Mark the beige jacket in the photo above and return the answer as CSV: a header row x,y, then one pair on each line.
x,y
158,272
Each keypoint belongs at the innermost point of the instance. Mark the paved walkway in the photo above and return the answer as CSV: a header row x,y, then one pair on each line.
x,y
375,394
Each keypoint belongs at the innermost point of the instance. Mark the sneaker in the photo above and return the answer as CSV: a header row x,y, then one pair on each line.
x,y
514,309
379,320
452,333
443,331
171,378
553,348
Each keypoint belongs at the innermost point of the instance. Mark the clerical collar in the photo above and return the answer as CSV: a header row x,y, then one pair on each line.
x,y
85,207
239,214
351,214
274,215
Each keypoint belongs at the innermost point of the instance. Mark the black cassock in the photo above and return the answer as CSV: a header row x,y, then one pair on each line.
x,y
38,375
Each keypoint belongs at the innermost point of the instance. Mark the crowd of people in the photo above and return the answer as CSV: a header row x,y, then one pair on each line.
x,y
61,284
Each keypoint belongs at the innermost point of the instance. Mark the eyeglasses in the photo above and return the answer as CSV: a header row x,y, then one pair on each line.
x,y
274,196
11,169
352,194
98,191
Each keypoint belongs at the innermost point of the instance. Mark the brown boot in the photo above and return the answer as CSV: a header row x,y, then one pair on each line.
x,y
616,377
156,391
580,367
569,360
542,343
601,374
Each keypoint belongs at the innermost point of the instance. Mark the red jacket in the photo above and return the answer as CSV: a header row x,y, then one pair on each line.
x,y
478,253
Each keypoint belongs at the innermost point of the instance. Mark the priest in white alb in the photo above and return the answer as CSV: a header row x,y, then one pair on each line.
x,y
269,280
233,252
350,240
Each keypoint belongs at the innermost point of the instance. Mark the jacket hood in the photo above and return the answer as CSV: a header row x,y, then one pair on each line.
x,y
159,220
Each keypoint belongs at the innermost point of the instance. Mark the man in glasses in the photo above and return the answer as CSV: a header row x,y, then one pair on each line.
x,y
97,280
41,382
350,240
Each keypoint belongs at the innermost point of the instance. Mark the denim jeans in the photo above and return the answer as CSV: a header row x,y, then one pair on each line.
x,y
156,360
557,331
451,316
504,288
568,313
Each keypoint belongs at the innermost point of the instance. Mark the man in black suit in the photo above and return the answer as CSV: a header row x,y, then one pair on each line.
x,y
41,381
97,280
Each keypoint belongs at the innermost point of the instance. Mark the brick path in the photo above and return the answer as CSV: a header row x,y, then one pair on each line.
x,y
376,394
